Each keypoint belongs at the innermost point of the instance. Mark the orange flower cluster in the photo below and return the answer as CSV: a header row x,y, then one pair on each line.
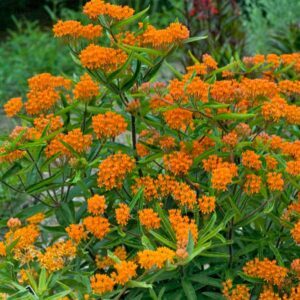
x,y
293,167
182,225
207,204
267,270
126,270
10,156
113,170
275,181
95,8
122,214
13,106
209,62
76,232
149,259
223,175
101,283
295,231
51,122
86,88
225,91
240,292
197,89
96,205
163,38
271,162
56,255
177,163
230,139
26,236
149,218
2,249
44,92
74,29
98,226
268,293
149,187
108,125
179,118
251,160
75,139
252,184
97,57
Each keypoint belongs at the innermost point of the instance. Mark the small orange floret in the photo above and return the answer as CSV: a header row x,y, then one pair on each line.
x,y
179,118
126,270
251,160
98,226
207,204
178,162
252,184
295,231
76,232
275,181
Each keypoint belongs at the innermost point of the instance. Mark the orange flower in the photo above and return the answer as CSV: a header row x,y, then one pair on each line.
x,y
2,249
295,231
44,92
122,214
96,205
142,150
26,236
74,29
271,162
163,38
209,62
167,143
126,270
275,181
76,232
56,255
149,218
251,160
36,219
14,223
198,89
76,139
98,226
252,184
113,170
275,109
86,88
149,187
211,162
266,270
293,167
108,125
221,177
183,194
95,8
101,284
105,262
178,162
207,204
179,118
13,106
240,292
269,294
182,225
97,57
155,258
225,91
230,139
295,266
53,123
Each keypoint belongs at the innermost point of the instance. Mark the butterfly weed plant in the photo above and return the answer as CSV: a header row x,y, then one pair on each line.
x,y
139,189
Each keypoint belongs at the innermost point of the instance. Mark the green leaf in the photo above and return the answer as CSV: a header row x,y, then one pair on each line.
x,y
188,289
58,295
163,240
233,116
138,196
138,284
206,280
195,39
42,281
248,278
115,258
43,184
190,245
277,254
174,71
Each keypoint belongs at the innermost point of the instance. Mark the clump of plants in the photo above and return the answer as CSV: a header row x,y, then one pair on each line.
x,y
138,189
